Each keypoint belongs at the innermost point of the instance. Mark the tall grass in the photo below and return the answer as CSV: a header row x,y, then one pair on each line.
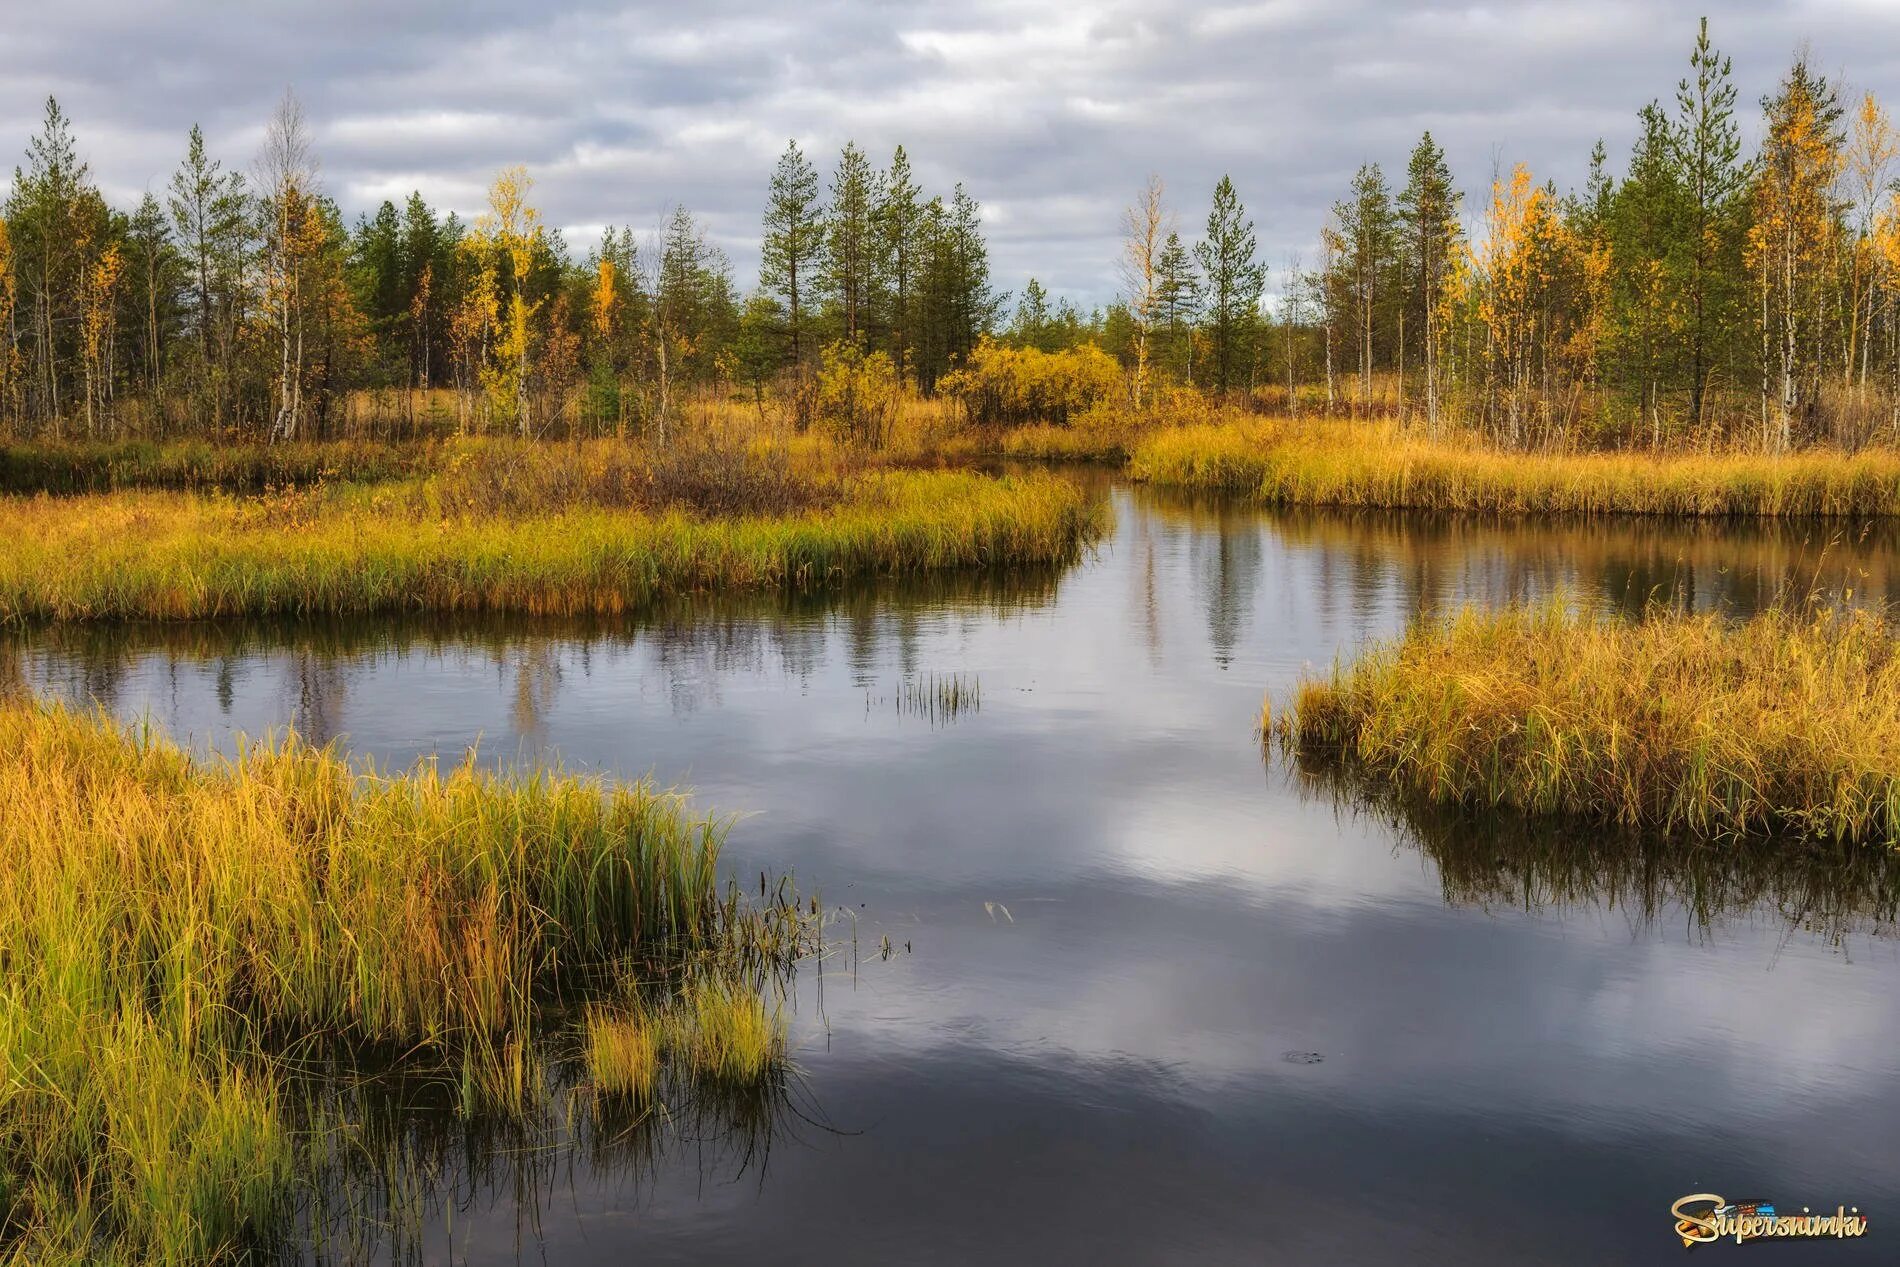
x,y
1283,462
1784,725
178,933
170,556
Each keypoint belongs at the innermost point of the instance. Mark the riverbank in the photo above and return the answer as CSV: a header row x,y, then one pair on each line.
x,y
412,547
1687,726
1289,463
182,934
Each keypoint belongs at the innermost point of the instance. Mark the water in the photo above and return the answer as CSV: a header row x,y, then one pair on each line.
x,y
1151,998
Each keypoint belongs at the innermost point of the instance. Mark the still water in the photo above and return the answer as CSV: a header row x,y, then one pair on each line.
x,y
1151,997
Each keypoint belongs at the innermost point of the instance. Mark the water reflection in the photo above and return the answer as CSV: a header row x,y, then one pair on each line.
x,y
1507,860
1502,1014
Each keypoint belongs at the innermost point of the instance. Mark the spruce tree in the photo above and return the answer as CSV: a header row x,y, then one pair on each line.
x,y
1233,279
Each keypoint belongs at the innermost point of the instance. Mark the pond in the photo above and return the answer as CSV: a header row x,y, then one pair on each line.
x,y
1148,994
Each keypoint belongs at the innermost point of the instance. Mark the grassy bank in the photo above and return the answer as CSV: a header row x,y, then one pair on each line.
x,y
1685,726
1282,462
151,555
180,935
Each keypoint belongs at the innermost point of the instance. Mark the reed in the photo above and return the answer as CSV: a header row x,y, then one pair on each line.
x,y
1783,726
623,1052
176,556
724,1033
180,933
1284,462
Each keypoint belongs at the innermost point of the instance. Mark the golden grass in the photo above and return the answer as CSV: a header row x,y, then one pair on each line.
x,y
1688,726
725,1033
177,932
178,556
623,1052
1316,463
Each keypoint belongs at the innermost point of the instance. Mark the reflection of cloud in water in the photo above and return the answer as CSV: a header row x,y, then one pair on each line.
x,y
1179,919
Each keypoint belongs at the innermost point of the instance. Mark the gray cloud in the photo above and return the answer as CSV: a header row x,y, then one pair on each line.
x,y
1050,115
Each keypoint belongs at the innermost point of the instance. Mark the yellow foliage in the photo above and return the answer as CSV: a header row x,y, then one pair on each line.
x,y
1011,386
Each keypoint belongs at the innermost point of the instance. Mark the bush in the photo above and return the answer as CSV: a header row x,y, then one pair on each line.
x,y
1003,386
859,394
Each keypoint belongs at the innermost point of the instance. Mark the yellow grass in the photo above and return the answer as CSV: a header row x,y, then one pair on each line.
x,y
174,556
1784,725
1316,463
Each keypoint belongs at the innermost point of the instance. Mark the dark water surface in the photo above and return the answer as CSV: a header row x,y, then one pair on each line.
x,y
1153,999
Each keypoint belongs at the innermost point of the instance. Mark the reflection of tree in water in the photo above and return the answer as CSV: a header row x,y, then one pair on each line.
x,y
1227,566
1432,562
698,641
1502,859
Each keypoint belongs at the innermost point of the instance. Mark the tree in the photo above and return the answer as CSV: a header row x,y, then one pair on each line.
x,y
793,249
287,179
1367,233
957,305
1792,239
851,246
58,223
207,208
512,232
1708,149
1143,225
1649,227
898,221
1233,279
1178,295
152,262
1429,242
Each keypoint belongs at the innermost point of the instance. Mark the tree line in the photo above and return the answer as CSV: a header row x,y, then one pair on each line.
x,y
1708,294
241,302
1712,292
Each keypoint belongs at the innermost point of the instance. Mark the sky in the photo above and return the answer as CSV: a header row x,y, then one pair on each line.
x,y
1052,115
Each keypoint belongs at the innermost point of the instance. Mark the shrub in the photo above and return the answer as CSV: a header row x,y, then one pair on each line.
x,y
1002,386
859,394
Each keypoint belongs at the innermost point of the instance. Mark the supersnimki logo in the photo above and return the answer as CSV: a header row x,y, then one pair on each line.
x,y
1703,1217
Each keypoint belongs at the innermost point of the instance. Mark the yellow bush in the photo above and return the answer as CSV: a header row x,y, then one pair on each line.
x,y
1003,386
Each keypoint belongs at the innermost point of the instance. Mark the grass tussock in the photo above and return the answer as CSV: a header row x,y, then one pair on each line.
x,y
1283,462
181,934
338,551
1688,726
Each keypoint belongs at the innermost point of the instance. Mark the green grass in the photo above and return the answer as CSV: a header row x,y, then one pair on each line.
x,y
180,556
181,935
1280,462
1782,726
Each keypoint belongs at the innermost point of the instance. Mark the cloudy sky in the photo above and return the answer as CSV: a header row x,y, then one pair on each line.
x,y
1051,114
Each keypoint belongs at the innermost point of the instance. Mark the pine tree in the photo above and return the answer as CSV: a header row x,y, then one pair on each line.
x,y
1708,154
899,220
1429,241
793,249
1368,233
208,214
851,246
1233,280
1180,305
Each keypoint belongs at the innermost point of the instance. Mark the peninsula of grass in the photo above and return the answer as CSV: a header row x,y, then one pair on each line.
x,y
1282,462
420,547
185,938
1782,727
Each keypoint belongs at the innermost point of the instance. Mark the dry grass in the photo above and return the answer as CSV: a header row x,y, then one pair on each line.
x,y
1283,462
1681,725
175,556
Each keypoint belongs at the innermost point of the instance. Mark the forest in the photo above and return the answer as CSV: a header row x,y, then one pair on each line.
x,y
1713,294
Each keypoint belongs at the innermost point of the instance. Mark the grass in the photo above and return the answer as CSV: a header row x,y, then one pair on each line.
x,y
1283,462
181,935
1785,725
93,467
351,550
